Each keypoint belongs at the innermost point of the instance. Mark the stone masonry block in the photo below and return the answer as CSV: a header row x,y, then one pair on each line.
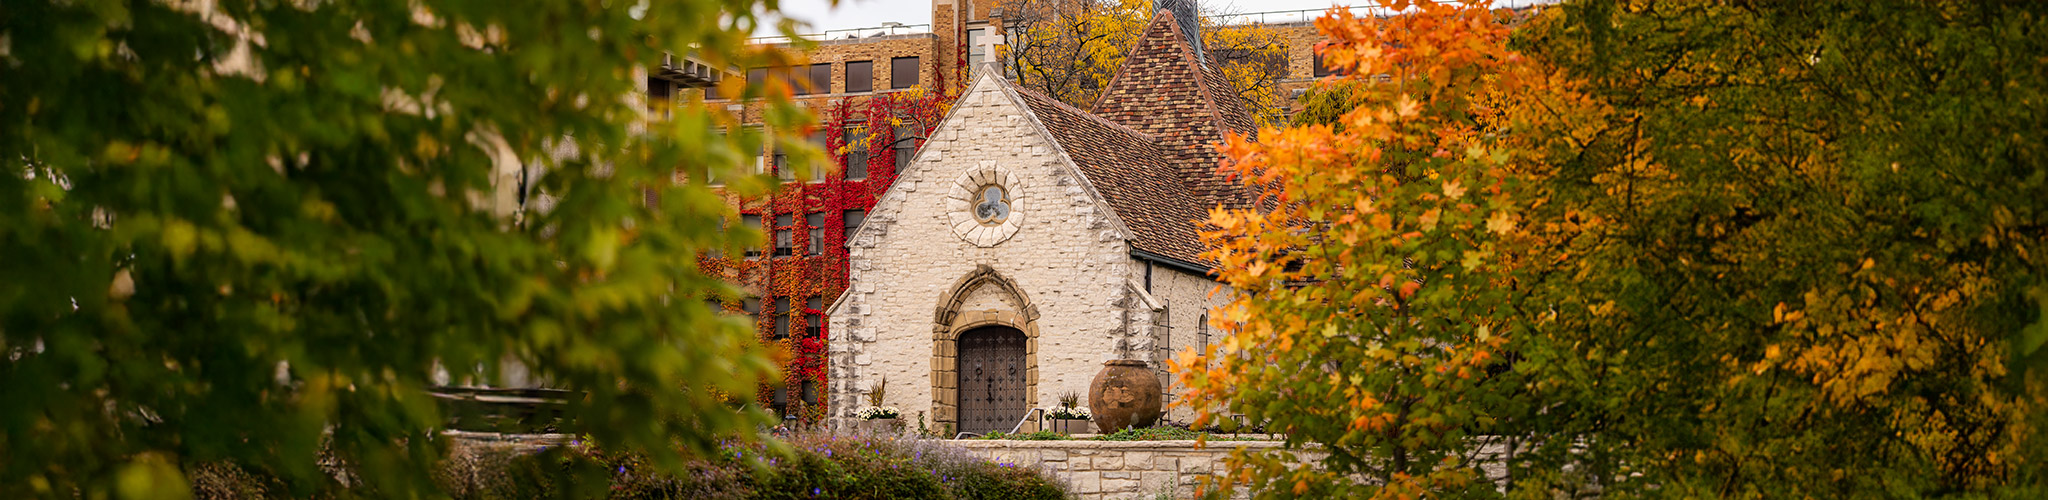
x,y
1088,482
1154,481
1166,464
1139,459
1107,462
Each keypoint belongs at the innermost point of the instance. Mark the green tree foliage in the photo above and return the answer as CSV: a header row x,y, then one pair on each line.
x,y
1734,249
1816,228
1327,102
249,232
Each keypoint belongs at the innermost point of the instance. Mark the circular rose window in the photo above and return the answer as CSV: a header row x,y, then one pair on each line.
x,y
986,205
992,206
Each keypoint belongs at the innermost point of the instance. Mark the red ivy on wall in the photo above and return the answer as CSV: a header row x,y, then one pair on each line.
x,y
803,276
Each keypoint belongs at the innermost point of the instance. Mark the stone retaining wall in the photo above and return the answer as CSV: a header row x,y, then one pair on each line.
x,y
1121,469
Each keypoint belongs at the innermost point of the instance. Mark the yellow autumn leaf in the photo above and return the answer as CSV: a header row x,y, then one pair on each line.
x,y
1406,107
1453,190
1499,223
1430,218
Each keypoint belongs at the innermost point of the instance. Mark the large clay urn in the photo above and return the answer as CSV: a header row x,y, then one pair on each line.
x,y
1125,394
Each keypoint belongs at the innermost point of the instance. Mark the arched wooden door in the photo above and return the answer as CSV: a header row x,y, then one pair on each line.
x,y
992,388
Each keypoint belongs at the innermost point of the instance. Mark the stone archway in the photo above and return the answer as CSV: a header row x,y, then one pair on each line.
x,y
981,299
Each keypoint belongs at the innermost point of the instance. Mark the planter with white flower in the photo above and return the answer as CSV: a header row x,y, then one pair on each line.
x,y
876,418
1067,418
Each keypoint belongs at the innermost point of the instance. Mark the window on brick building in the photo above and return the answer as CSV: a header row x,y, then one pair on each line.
x,y
711,176
781,404
821,78
756,77
753,222
905,146
752,306
853,218
794,77
902,72
716,251
783,170
784,224
781,317
816,222
660,97
817,319
860,76
758,162
1325,71
819,140
856,137
976,52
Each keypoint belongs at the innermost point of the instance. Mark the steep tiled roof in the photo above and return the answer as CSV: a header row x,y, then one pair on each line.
x,y
1131,172
1229,105
1163,90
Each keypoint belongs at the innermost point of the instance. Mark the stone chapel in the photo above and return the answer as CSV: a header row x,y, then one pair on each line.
x,y
1029,241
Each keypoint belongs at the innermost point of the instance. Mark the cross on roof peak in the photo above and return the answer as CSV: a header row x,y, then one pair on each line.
x,y
988,46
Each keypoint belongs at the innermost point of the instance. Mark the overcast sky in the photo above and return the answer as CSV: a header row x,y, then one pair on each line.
x,y
872,13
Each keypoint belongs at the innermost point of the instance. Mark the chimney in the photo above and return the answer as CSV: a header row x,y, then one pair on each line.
x,y
1190,25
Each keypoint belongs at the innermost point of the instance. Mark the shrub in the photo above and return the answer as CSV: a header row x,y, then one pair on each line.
x,y
1028,436
1150,434
808,466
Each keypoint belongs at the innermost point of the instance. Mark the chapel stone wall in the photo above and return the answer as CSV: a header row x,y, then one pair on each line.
x,y
1068,260
1188,300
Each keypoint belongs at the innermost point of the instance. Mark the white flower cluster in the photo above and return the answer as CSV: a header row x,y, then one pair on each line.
x,y
875,412
1068,412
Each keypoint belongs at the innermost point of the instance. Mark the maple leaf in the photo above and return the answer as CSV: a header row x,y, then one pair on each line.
x,y
1500,223
1406,107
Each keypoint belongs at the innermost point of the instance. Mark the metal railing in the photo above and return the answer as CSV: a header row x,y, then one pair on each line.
x,y
1039,412
1269,17
849,33
1310,15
